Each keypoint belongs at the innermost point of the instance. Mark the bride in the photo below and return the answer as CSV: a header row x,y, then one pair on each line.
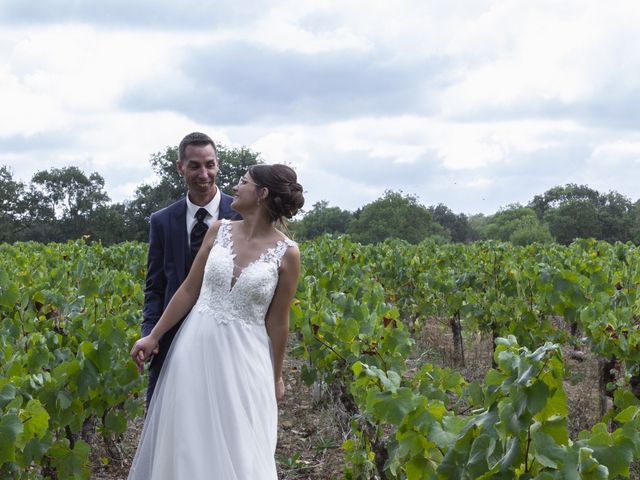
x,y
214,411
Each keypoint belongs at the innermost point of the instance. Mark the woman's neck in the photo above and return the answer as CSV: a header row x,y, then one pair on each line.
x,y
255,225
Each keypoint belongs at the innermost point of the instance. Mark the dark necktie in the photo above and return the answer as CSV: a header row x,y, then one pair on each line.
x,y
198,231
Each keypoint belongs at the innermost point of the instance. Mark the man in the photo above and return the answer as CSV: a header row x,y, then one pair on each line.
x,y
175,234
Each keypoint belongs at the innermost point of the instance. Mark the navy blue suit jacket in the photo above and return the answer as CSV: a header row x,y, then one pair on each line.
x,y
168,263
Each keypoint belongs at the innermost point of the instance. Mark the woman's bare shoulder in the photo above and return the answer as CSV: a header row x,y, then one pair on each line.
x,y
291,256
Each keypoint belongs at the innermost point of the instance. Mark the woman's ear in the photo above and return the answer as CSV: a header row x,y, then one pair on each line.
x,y
263,193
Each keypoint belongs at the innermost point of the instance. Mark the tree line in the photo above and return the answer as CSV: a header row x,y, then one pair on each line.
x,y
65,203
561,214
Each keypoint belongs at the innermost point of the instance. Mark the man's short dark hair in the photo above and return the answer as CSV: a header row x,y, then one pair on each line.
x,y
195,138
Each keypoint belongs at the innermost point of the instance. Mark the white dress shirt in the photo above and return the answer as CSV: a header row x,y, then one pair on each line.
x,y
212,208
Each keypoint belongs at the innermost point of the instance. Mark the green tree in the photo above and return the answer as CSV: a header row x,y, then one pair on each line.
x,y
394,215
108,223
170,186
530,230
234,163
147,199
456,224
61,202
615,217
12,206
557,196
69,192
476,225
577,211
634,220
517,224
322,219
574,219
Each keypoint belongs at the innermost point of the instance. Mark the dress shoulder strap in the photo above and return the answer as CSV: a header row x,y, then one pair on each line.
x,y
275,254
223,237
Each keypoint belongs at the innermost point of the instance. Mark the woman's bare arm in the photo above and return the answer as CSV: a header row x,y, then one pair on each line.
x,y
180,304
277,321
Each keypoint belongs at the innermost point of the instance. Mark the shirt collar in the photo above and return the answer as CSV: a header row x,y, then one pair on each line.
x,y
212,207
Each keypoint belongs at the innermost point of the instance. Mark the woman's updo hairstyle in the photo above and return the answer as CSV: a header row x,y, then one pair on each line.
x,y
285,193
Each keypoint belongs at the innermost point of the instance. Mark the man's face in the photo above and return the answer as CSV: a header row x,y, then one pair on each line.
x,y
199,168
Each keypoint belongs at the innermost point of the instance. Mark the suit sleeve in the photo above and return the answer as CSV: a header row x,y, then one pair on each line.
x,y
156,280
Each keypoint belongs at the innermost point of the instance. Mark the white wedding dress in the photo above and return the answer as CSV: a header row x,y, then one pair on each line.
x,y
214,414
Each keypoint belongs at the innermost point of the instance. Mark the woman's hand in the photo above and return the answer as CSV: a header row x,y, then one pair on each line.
x,y
142,350
279,389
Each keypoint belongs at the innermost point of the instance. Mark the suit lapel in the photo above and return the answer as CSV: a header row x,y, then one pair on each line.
x,y
179,239
225,210
222,209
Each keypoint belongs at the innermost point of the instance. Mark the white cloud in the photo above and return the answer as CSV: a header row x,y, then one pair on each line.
x,y
57,77
282,28
478,182
84,68
522,55
473,104
25,112
616,154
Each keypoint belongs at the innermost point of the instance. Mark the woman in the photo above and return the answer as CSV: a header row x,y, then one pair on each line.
x,y
214,411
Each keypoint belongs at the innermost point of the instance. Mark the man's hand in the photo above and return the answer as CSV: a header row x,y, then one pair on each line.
x,y
143,350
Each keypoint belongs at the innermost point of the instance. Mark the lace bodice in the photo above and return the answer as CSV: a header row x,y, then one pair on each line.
x,y
247,300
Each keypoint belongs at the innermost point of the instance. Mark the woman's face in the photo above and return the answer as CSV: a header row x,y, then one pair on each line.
x,y
246,193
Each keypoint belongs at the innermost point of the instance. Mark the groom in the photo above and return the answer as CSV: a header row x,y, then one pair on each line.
x,y
176,233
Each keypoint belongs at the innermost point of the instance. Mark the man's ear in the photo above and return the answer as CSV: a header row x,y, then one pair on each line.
x,y
180,167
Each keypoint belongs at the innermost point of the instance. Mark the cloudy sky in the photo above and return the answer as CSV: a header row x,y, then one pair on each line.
x,y
474,104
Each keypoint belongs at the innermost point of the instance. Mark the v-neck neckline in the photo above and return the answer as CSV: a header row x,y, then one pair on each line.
x,y
231,246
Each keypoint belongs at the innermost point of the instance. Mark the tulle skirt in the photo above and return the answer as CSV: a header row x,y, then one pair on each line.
x,y
213,414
